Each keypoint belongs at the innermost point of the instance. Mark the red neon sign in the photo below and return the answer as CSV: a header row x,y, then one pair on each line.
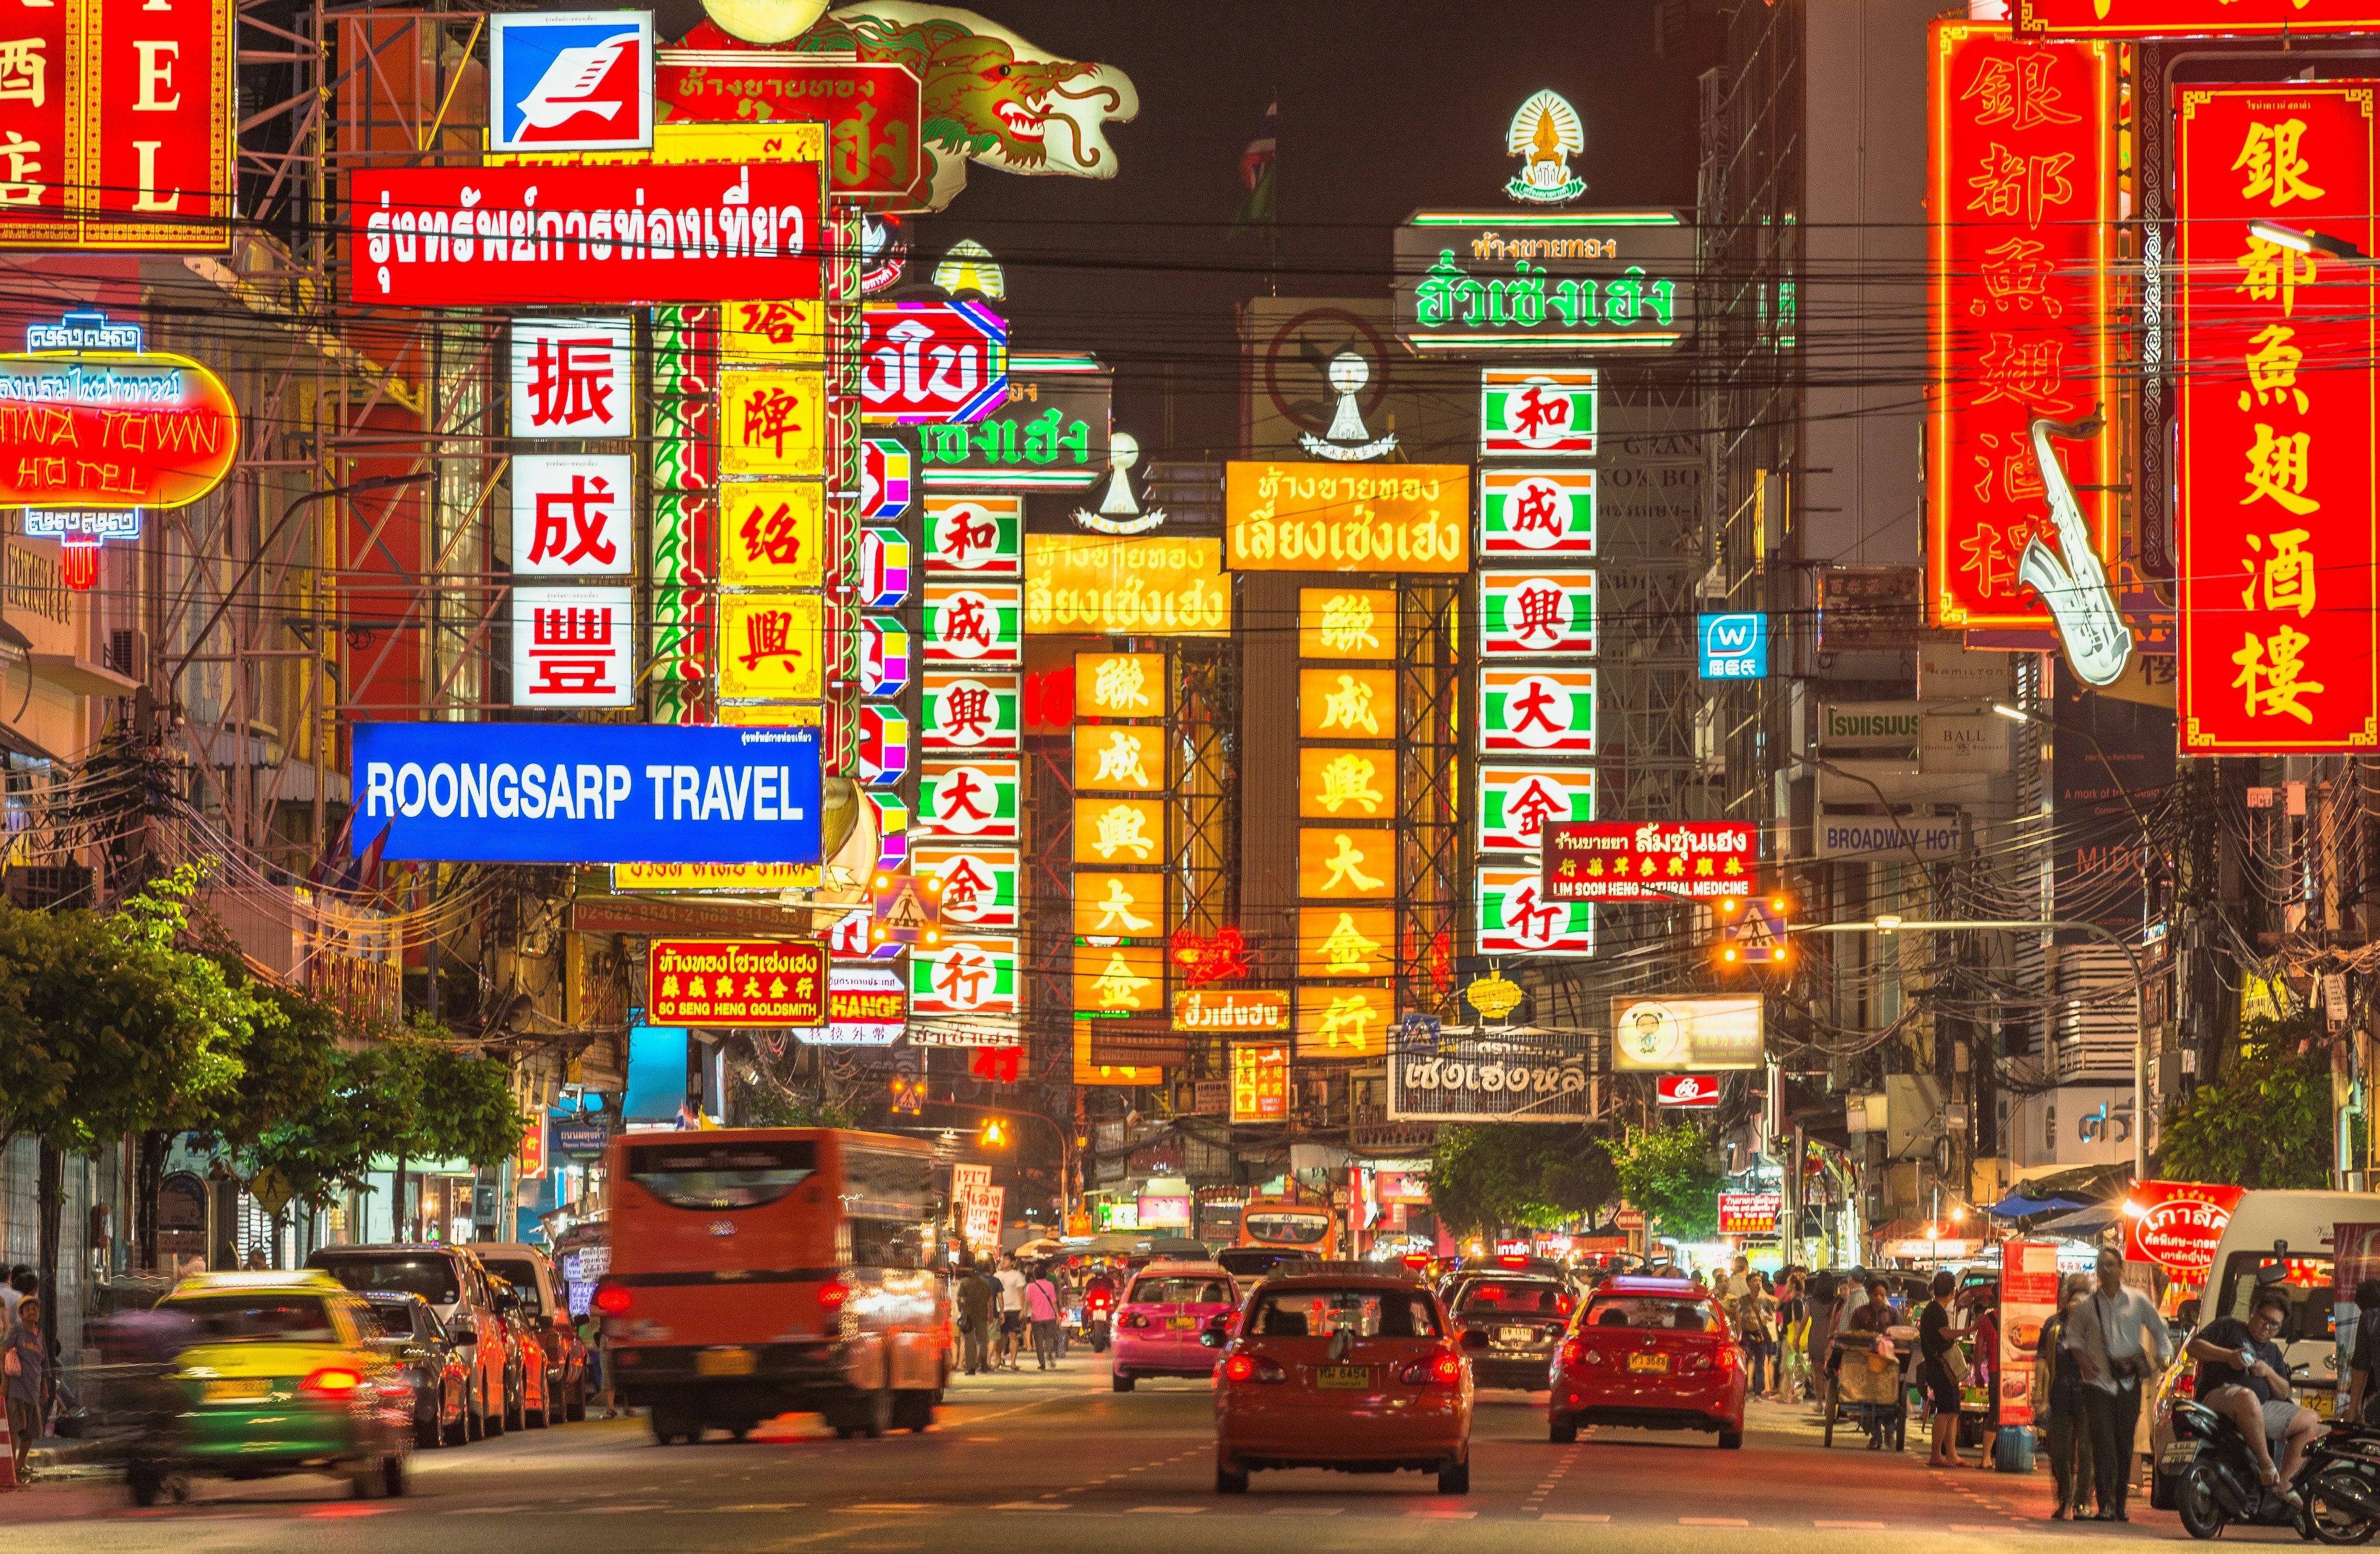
x,y
2207,19
497,236
1650,860
111,430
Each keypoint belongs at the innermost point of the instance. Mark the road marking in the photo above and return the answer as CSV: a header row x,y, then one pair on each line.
x,y
889,1505
617,1509
761,1505
1307,1511
1713,1522
488,1510
1571,1516
1441,1515
1169,1511
332,1512
1033,1505
1853,1526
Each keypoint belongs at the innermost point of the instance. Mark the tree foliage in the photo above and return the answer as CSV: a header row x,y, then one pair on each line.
x,y
2265,1121
1495,1174
1669,1175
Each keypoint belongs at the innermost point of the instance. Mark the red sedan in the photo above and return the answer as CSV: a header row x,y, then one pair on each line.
x,y
1649,1353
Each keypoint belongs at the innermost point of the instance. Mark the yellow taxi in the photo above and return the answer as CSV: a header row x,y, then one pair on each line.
x,y
276,1373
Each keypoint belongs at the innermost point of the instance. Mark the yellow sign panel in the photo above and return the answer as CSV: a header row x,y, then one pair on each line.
x,y
1338,941
1088,1073
1119,979
1088,585
1337,517
771,421
772,646
1347,703
1335,784
1120,831
1119,685
1344,1022
771,332
1347,623
1347,863
1118,906
756,878
1110,758
772,534
771,714
678,144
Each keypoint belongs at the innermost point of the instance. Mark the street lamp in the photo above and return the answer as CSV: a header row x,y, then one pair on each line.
x,y
1887,923
2299,240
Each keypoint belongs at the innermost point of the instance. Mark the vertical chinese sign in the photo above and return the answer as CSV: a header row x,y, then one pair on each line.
x,y
2021,184
2281,641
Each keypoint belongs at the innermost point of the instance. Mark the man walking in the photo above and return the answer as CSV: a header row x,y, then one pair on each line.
x,y
1012,1315
24,1361
2120,1339
1042,1309
976,1316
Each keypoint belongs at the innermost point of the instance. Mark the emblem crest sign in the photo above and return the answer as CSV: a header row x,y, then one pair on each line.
x,y
1546,134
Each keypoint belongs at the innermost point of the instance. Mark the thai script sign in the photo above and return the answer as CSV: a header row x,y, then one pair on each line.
x,y
2278,554
2200,18
1329,517
872,109
116,118
749,878
572,80
1650,860
600,233
1051,434
1486,282
719,982
2021,166
2177,1224
1649,1035
1749,1213
1465,1076
110,429
924,362
588,793
1091,585
1228,1010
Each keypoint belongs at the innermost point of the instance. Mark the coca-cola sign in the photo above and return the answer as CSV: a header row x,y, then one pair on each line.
x,y
924,364
2177,1224
1699,1090
545,235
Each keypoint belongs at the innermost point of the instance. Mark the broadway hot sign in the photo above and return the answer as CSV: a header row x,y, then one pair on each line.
x,y
496,236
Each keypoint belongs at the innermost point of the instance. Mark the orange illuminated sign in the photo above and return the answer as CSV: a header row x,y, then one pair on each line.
x,y
1347,623
1259,1082
2202,18
1337,517
109,428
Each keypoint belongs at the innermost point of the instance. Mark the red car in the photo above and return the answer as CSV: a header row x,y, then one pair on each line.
x,y
1649,1355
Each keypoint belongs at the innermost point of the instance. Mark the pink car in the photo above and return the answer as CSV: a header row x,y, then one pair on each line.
x,y
1159,1321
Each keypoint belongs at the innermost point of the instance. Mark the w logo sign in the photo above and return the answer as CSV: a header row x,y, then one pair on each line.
x,y
1735,647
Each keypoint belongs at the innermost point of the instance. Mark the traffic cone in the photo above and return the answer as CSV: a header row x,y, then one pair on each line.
x,y
8,1455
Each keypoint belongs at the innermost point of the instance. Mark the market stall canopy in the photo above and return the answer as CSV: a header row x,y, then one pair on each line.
x,y
2084,1224
2016,1206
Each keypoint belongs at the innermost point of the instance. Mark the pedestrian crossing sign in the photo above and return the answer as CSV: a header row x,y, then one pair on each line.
x,y
1752,930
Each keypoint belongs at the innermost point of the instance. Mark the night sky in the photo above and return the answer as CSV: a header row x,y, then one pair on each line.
x,y
1385,107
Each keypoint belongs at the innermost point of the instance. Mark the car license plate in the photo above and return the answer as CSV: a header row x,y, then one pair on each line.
x,y
1649,1362
723,1362
243,1390
1345,1379
1181,1323
2178,1454
1514,1335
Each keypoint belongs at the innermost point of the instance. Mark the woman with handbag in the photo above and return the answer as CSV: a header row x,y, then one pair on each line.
x,y
26,1358
1942,1370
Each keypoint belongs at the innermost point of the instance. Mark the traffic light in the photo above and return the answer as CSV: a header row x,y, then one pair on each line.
x,y
994,1134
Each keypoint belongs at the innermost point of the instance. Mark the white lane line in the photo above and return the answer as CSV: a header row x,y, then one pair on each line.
x,y
1713,1522
889,1505
1033,1505
1169,1511
1307,1511
1853,1526
1571,1516
1441,1515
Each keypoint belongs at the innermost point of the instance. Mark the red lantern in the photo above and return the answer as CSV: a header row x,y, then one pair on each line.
x,y
81,563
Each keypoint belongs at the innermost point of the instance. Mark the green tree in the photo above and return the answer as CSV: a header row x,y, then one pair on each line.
x,y
1671,1176
1483,1177
2265,1121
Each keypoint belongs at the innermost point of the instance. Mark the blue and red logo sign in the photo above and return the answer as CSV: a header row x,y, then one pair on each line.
x,y
571,80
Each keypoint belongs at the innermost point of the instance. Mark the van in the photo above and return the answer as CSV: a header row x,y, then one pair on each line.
x,y
452,1281
547,1309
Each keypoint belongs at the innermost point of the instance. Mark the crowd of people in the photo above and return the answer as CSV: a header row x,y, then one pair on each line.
x,y
1003,1307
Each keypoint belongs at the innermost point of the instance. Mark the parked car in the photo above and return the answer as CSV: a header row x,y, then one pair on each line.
x,y
277,1374
1648,1354
1164,1310
528,1396
546,1304
452,1281
438,1370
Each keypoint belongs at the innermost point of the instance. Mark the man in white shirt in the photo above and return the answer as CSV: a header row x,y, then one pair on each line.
x,y
2120,1339
1012,1313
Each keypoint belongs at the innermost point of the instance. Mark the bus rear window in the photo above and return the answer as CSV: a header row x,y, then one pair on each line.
x,y
1294,1230
715,1176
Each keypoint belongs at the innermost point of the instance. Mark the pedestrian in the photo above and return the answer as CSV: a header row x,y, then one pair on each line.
x,y
2121,1338
1941,1370
1042,1309
24,1356
1985,1363
2057,1395
1012,1313
1793,1340
977,1298
2360,1369
256,1260
10,1294
1855,1296
1755,1316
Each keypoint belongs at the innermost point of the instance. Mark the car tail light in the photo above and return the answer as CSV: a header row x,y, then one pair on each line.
x,y
1134,1319
1488,1292
1562,1304
1513,1262
1414,1259
831,1295
1693,1362
1252,1367
1441,1370
613,1300
1574,1352
331,1381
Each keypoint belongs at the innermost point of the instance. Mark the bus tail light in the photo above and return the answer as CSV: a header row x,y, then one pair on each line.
x,y
611,1300
831,1294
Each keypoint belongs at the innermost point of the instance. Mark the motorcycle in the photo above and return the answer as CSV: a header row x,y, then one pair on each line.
x,y
2216,1482
1097,1311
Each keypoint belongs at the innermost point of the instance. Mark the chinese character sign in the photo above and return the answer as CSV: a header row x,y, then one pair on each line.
x,y
1119,905
963,977
1344,1022
573,378
1108,759
772,534
2201,18
1536,711
2021,170
1538,412
1517,916
1347,863
772,423
966,714
1524,614
1347,623
1526,513
975,887
1516,803
574,514
1346,704
1350,785
1647,860
1120,684
975,624
976,534
1259,1082
975,800
772,646
571,647
2275,532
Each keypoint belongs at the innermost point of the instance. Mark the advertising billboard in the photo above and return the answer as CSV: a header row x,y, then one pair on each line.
x,y
1259,1082
1749,1213
1232,1011
89,419
925,362
1465,1075
723,982
1536,711
1734,647
1534,613
2275,534
1650,860
1285,516
2022,161
1050,434
1517,918
570,81
2176,1225
587,792
1092,585
1485,282
1685,1035
872,108
1517,803
1527,513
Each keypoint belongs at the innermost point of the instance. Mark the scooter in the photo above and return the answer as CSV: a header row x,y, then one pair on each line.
x,y
2216,1480
1096,1314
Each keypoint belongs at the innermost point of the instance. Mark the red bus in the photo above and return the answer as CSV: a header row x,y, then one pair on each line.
x,y
760,1271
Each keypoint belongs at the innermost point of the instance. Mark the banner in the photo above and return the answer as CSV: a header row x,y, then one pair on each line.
x,y
541,237
588,793
872,109
2022,172
2275,530
2118,767
1259,1082
1091,585
1749,1213
1511,1076
1650,1034
1472,283
2028,1300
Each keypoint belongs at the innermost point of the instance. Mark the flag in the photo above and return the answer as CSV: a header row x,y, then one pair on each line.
x,y
1256,171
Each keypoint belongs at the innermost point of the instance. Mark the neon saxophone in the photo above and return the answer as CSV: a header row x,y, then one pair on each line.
x,y
2099,643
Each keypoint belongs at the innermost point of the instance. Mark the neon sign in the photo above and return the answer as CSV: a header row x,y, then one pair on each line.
x,y
1471,282
93,428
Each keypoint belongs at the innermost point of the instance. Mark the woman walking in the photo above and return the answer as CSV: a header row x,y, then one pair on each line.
x,y
1941,1370
2057,1399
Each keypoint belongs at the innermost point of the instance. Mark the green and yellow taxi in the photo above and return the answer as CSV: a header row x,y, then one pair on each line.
x,y
276,1373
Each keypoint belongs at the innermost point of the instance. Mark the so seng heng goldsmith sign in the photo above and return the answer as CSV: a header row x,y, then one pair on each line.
x,y
541,236
719,982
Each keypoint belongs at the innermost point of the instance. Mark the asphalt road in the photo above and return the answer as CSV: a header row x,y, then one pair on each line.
x,y
1064,1462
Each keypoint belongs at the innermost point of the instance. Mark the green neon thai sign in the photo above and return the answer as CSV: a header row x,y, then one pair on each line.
x,y
1483,284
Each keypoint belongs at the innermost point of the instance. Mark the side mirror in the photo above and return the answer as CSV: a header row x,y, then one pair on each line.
x,y
1473,1340
1212,1338
462,1334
